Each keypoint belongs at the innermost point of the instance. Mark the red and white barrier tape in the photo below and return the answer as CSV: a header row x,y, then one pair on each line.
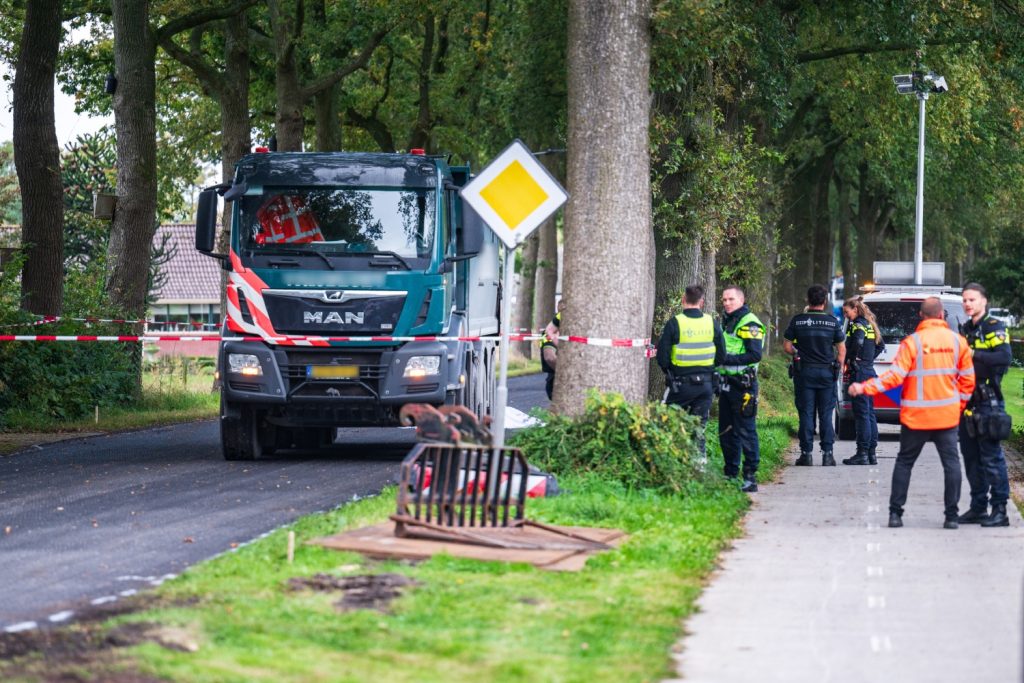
x,y
48,319
591,341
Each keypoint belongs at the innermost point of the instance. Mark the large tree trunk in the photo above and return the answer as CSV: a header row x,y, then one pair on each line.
x,y
289,124
608,241
236,133
328,120
546,275
290,92
131,234
420,137
821,220
679,263
873,215
522,314
845,220
37,159
546,280
797,236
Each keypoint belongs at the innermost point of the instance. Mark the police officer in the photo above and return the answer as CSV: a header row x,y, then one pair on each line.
x,y
737,405
864,344
815,340
934,366
689,346
983,455
549,350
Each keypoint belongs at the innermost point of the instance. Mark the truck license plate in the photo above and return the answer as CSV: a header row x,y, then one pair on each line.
x,y
332,371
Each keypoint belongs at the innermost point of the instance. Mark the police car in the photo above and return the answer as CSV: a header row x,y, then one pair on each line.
x,y
895,303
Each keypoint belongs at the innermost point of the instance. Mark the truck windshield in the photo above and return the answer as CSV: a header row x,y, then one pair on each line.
x,y
339,221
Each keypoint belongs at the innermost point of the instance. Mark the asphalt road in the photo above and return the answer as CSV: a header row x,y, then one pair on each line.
x,y
84,522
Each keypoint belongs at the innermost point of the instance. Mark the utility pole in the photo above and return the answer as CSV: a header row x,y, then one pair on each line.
x,y
922,84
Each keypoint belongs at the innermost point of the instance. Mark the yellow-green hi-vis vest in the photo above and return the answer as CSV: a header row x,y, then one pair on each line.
x,y
749,327
696,345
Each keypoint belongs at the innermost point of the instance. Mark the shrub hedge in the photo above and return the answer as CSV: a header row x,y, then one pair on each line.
x,y
648,446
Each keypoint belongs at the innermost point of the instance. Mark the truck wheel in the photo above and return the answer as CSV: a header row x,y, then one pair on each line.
x,y
240,436
845,429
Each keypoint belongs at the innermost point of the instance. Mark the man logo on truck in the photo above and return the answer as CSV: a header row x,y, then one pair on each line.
x,y
334,317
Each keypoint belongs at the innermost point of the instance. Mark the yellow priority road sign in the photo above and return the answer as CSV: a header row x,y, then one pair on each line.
x,y
514,194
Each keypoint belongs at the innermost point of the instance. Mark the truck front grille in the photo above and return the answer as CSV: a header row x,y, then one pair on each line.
x,y
365,385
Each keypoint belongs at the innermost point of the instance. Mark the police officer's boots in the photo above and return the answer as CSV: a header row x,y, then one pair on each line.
x,y
827,460
861,458
806,459
974,516
872,458
998,516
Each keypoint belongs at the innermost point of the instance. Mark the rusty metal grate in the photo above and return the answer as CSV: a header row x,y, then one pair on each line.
x,y
463,486
472,494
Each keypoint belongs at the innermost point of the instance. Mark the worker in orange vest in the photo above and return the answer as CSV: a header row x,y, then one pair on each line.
x,y
934,365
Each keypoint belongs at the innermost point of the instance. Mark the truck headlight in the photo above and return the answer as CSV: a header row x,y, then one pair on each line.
x,y
244,364
422,366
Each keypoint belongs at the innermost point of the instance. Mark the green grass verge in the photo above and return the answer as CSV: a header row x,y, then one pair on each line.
x,y
1013,392
614,621
166,399
156,407
522,366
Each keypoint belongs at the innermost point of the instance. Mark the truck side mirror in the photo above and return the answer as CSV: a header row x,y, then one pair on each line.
x,y
206,221
469,239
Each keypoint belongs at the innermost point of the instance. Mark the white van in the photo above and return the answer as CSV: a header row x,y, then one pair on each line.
x,y
1004,316
896,308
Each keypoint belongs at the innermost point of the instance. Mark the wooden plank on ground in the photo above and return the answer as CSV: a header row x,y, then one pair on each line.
x,y
379,541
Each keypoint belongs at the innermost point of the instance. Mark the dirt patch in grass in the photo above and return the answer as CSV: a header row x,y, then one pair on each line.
x,y
366,591
87,650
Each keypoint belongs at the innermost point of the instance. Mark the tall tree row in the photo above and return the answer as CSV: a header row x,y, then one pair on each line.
x,y
776,152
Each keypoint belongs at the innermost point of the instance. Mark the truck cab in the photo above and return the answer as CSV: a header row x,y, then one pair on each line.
x,y
356,283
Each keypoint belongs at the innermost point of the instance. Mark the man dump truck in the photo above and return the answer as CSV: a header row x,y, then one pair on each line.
x,y
342,270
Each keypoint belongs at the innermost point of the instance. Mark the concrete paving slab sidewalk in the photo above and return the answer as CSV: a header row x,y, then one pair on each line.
x,y
820,589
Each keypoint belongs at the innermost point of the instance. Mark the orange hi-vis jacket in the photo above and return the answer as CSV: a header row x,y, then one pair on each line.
x,y
935,367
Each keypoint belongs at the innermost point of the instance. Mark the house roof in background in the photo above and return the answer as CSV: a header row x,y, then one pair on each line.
x,y
190,276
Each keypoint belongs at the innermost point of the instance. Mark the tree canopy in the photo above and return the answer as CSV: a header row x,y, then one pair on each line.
x,y
779,151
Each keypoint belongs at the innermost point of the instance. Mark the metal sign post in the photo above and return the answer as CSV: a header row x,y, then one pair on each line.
x,y
922,97
501,394
513,194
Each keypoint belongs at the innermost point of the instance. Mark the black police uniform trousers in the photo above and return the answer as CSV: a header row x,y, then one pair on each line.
x,y
737,434
549,383
815,394
911,443
985,466
693,394
864,419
